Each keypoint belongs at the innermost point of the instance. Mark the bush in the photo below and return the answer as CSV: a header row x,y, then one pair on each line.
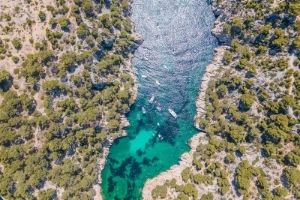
x,y
5,80
15,59
244,174
230,158
64,23
222,91
53,87
42,16
246,101
159,191
281,192
296,42
186,174
292,176
190,190
47,194
262,183
292,158
208,196
106,21
236,134
87,6
17,43
280,41
82,31
227,59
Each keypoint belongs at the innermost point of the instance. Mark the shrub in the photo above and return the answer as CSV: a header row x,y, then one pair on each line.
x,y
281,192
186,174
208,196
246,101
227,59
159,191
230,158
63,22
280,41
15,59
244,173
87,6
5,80
296,42
106,21
190,190
222,91
82,31
292,176
42,16
47,194
17,43
53,87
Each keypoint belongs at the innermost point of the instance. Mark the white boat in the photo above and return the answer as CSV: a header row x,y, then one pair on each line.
x,y
172,112
160,137
152,99
143,110
157,82
144,76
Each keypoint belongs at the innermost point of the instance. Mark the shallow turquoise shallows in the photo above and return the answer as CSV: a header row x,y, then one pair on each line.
x,y
177,47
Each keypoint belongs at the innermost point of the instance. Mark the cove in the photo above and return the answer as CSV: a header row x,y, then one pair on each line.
x,y
177,47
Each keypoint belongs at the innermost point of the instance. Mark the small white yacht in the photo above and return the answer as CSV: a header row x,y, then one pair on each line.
x,y
172,112
160,137
152,99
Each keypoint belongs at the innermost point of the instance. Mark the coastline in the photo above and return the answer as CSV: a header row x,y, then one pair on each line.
x,y
211,72
187,158
124,123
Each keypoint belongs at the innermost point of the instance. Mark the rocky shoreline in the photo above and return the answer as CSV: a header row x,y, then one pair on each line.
x,y
211,71
124,123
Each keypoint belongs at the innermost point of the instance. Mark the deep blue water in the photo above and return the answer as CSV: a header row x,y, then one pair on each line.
x,y
177,47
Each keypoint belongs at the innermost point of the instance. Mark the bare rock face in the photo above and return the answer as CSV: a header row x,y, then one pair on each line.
x,y
221,16
223,38
217,12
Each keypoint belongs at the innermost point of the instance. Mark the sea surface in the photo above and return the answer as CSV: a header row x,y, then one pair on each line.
x,y
177,47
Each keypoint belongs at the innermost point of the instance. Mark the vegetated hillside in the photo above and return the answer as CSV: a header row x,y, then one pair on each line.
x,y
66,83
251,145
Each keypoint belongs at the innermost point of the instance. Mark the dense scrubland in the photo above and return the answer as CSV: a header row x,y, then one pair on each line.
x,y
250,144
65,85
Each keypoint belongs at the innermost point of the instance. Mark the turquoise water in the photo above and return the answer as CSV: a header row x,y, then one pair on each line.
x,y
169,65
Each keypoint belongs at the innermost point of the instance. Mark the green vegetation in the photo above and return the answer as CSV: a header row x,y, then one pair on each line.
x,y
64,100
42,16
246,101
160,192
5,80
252,111
16,42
